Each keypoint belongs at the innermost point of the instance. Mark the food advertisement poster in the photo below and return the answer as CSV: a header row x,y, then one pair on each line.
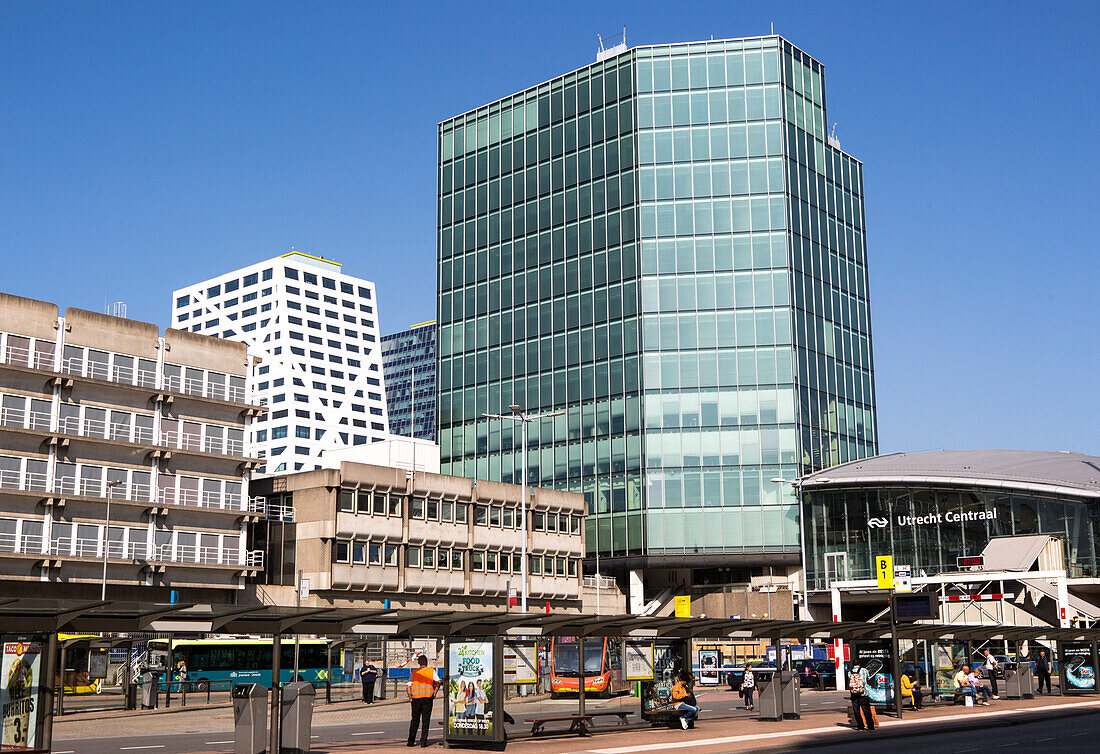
x,y
470,691
20,677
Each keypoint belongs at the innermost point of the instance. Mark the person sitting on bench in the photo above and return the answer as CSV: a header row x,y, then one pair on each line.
x,y
979,687
685,701
911,690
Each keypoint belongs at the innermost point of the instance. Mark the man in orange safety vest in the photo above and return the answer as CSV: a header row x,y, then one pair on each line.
x,y
421,688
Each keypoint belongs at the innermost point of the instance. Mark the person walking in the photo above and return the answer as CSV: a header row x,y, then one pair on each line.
x,y
861,705
748,686
990,666
368,674
421,687
1042,671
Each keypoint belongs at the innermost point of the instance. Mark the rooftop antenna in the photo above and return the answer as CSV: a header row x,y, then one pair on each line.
x,y
117,309
773,28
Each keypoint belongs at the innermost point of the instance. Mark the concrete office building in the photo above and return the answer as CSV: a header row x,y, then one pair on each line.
x,y
667,246
407,357
313,333
106,421
362,534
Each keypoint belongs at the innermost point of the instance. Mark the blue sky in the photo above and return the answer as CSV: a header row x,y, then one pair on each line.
x,y
144,146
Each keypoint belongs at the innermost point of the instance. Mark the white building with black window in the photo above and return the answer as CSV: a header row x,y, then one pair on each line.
x,y
317,363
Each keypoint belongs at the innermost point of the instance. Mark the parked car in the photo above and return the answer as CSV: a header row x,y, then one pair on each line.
x,y
817,674
735,676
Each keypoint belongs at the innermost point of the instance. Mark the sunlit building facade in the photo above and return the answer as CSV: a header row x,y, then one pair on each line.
x,y
668,247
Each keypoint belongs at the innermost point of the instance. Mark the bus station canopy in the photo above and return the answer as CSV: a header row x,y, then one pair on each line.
x,y
83,616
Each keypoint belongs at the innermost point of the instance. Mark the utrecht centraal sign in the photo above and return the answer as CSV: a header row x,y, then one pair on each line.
x,y
949,517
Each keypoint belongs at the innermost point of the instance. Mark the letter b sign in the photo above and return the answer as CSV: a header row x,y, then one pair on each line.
x,y
884,569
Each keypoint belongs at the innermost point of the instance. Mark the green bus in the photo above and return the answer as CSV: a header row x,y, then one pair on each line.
x,y
231,661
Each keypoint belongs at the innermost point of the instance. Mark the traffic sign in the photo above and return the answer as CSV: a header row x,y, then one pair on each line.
x,y
884,569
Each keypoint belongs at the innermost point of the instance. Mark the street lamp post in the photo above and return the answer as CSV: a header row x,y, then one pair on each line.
x,y
107,538
521,416
801,538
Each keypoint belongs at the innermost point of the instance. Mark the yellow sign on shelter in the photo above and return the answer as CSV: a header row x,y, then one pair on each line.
x,y
683,606
884,569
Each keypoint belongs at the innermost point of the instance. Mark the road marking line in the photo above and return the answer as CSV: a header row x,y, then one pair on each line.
x,y
215,743
369,733
133,748
833,729
1041,740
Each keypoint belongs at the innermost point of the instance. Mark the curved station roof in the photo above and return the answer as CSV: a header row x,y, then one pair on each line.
x,y
1048,472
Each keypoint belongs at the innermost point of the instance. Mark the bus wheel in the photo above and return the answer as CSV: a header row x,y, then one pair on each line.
x,y
201,686
608,691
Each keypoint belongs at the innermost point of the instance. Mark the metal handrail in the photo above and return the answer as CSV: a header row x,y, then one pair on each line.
x,y
36,480
13,417
12,480
122,374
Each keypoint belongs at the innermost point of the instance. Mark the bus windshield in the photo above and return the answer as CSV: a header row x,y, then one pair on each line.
x,y
565,658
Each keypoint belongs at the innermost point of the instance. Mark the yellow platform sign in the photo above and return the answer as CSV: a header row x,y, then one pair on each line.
x,y
683,607
884,569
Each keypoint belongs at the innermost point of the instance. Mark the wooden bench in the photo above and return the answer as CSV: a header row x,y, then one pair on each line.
x,y
578,724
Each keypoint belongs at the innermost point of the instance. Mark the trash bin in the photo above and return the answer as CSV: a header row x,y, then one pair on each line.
x,y
792,696
150,689
297,717
249,718
1018,680
767,691
131,695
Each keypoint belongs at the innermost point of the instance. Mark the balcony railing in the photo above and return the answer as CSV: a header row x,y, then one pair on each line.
x,y
27,543
205,499
24,357
280,511
197,554
35,481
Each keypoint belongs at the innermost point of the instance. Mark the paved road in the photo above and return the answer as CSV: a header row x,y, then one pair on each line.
x,y
1072,734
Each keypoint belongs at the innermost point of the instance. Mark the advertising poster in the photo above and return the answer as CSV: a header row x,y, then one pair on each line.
x,y
874,663
949,658
668,663
1078,674
20,674
638,660
520,663
470,691
708,667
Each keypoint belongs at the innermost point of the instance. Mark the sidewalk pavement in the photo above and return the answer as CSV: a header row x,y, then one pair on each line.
x,y
716,731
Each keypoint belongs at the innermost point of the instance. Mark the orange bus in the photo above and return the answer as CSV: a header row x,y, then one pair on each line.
x,y
602,666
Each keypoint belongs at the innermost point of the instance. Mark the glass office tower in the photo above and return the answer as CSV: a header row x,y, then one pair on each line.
x,y
407,356
667,246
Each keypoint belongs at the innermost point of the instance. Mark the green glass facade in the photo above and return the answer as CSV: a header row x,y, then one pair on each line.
x,y
665,246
